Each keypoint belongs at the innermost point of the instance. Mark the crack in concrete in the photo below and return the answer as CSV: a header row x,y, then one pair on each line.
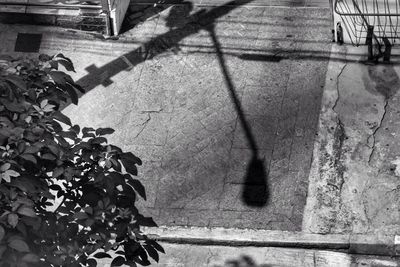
x,y
338,148
331,166
365,208
337,88
210,255
339,136
314,259
373,135
151,111
144,124
229,159
123,117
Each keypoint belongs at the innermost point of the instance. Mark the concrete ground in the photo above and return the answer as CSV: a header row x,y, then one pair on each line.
x,y
179,255
354,185
245,116
220,102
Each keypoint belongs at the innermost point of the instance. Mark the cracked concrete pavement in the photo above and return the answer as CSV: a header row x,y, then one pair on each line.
x,y
218,120
322,136
354,182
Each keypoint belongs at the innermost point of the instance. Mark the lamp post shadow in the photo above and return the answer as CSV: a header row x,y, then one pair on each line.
x,y
255,189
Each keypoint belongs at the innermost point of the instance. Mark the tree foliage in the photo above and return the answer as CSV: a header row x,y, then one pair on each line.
x,y
67,197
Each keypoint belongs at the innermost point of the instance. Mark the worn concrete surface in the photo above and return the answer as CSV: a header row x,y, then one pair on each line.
x,y
354,182
179,255
203,123
213,131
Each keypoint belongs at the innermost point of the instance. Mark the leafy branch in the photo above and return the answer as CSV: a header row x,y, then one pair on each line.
x,y
45,158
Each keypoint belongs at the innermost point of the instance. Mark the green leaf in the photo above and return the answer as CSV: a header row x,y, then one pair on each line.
x,y
29,157
60,77
118,261
146,221
13,106
30,258
66,62
32,149
68,134
62,118
98,140
104,131
55,187
21,147
76,129
19,245
17,81
152,252
72,93
58,171
5,167
54,149
87,130
12,173
62,141
27,211
132,158
116,165
91,262
12,219
88,210
155,245
81,215
138,186
2,232
129,161
49,156
102,255
43,103
78,87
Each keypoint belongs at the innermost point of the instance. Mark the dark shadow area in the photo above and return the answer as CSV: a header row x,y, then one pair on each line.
x,y
243,261
28,42
260,57
178,14
255,190
158,45
139,12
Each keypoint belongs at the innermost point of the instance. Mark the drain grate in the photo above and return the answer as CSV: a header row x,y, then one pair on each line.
x,y
28,42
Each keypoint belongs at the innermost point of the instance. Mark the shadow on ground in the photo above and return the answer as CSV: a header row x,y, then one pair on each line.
x,y
255,191
226,129
242,261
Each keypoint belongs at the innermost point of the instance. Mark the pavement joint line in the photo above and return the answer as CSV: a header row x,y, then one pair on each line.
x,y
241,6
270,6
365,244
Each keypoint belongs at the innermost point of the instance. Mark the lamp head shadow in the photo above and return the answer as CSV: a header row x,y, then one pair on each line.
x,y
255,191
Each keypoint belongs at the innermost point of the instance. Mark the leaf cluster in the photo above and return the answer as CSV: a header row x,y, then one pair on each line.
x,y
67,197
